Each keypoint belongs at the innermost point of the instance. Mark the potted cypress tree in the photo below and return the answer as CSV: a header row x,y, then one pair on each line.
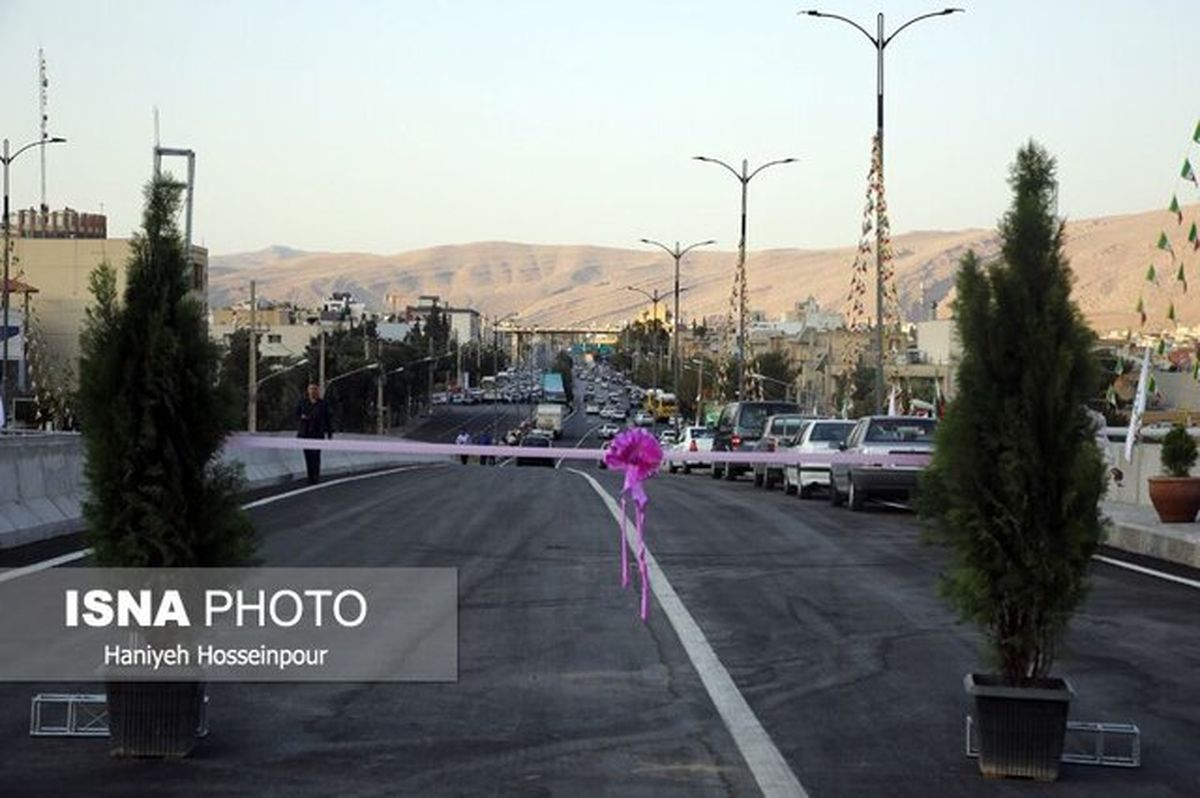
x,y
1016,476
153,421
1176,496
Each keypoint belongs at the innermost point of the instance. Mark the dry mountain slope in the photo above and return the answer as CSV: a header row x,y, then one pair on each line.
x,y
561,285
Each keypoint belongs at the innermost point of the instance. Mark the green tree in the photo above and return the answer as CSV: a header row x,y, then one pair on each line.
x,y
776,367
1016,477
153,414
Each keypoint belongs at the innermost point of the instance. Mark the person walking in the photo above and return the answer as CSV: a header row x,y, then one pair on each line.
x,y
312,415
463,439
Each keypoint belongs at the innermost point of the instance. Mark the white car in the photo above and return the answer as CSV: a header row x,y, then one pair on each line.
x,y
694,439
644,419
821,435
592,409
608,431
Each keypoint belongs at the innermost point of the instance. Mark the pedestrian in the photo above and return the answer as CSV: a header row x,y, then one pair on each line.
x,y
312,415
485,439
463,439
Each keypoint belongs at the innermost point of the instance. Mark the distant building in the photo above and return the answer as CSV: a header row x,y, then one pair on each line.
x,y
465,324
60,267
283,331
67,223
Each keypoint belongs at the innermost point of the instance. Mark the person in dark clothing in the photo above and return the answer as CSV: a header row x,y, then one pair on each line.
x,y
313,417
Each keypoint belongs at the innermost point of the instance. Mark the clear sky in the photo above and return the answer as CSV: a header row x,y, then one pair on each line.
x,y
385,126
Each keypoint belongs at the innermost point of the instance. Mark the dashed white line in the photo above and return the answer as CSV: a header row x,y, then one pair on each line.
x,y
766,763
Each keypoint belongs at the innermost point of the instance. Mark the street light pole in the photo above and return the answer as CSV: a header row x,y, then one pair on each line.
x,y
744,177
7,159
677,254
880,42
252,366
654,298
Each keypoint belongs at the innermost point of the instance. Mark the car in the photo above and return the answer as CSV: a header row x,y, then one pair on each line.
x,y
738,427
603,451
820,435
692,439
609,430
532,441
619,413
591,409
439,399
644,419
780,430
857,483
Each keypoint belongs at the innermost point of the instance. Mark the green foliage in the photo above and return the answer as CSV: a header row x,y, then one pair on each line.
x,y
856,391
1016,477
153,415
1178,452
777,367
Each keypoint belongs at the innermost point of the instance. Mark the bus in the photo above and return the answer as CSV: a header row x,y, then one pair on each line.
x,y
665,406
552,388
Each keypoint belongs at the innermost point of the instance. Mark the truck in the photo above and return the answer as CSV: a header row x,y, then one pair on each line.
x,y
549,417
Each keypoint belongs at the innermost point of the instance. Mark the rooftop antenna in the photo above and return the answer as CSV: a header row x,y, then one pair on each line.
x,y
43,83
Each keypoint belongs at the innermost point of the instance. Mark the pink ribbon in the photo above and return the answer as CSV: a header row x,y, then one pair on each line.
x,y
637,453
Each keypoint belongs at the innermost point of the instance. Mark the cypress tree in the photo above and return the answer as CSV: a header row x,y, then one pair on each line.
x,y
153,417
1016,477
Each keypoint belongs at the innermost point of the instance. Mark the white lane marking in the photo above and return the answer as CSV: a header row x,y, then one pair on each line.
x,y
766,763
17,573
579,443
1141,569
54,562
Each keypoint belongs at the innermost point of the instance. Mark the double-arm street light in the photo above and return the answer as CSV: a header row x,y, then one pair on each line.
x,y
879,41
744,177
654,298
677,254
787,386
6,159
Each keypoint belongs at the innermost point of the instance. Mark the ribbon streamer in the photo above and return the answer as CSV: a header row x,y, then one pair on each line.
x,y
638,454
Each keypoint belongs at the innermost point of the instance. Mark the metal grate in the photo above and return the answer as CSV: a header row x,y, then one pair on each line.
x,y
81,715
1117,745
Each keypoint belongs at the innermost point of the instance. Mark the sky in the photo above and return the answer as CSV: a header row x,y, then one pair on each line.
x,y
389,126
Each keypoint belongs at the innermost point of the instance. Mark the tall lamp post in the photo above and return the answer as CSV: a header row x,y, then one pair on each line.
x,y
677,254
744,177
6,159
654,298
879,41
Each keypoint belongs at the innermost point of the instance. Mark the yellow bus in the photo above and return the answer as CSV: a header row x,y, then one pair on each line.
x,y
665,406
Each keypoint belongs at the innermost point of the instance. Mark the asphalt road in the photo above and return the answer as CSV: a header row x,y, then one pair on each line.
x,y
828,621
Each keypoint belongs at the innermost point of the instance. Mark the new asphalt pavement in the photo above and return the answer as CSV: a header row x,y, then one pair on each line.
x,y
828,622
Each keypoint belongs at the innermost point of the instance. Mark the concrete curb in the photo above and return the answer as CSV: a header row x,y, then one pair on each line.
x,y
1161,542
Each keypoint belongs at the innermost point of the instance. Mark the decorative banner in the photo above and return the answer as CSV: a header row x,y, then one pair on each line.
x,y
1187,173
1139,407
1164,244
1175,209
637,453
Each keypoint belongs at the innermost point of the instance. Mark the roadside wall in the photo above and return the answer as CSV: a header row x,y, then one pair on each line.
x,y
42,488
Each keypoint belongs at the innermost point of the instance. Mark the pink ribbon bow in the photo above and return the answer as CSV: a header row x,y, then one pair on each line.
x,y
637,453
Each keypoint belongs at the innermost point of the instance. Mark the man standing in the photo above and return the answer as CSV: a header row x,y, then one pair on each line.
x,y
313,416
463,439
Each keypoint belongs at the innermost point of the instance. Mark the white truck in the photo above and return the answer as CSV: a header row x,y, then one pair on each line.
x,y
549,417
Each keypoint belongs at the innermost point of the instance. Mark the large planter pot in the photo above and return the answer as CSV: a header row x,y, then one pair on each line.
x,y
1175,499
153,719
1021,729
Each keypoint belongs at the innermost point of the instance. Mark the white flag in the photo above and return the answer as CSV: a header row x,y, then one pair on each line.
x,y
1139,406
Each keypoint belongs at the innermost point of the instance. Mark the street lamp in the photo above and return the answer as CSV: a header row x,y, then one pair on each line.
x,y
654,298
744,177
879,41
677,254
754,375
7,159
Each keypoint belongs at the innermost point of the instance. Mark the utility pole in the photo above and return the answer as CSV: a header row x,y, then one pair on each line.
x,y
321,363
379,403
700,397
252,365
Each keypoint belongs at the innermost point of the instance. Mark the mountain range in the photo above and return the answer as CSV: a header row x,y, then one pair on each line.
x,y
551,285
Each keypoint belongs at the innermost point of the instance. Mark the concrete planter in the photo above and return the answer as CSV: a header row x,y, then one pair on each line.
x,y
1175,499
1021,729
153,719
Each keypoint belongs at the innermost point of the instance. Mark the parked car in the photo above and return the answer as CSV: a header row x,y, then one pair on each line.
x,y
693,439
780,430
738,427
532,441
856,483
821,435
